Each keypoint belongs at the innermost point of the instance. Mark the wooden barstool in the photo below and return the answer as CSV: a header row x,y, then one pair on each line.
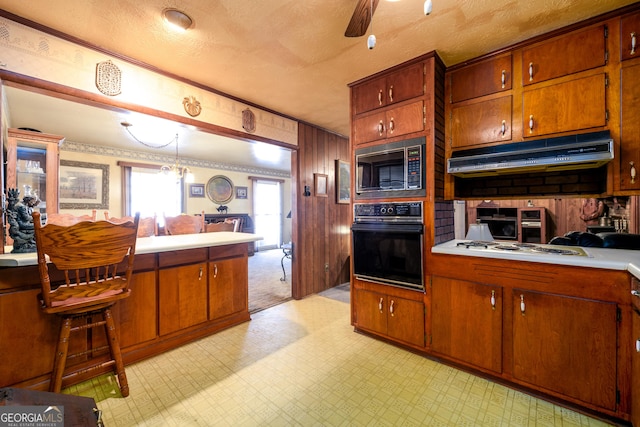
x,y
89,254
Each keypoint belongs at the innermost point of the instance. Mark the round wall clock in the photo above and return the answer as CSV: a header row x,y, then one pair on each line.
x,y
220,189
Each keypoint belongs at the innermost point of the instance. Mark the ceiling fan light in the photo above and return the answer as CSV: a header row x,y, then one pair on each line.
x,y
371,41
428,5
177,19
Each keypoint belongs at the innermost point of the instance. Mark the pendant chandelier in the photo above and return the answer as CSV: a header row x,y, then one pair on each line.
x,y
180,172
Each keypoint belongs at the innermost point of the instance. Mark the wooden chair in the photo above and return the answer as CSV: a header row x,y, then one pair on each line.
x,y
219,226
184,224
147,227
88,253
69,219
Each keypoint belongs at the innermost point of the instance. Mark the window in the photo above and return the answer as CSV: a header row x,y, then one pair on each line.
x,y
151,193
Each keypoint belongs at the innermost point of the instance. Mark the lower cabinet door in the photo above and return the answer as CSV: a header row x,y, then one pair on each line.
x,y
405,321
182,297
467,322
137,314
228,287
566,345
635,369
371,311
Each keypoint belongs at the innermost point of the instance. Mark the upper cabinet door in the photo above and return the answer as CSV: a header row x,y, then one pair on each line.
x,y
394,87
561,56
629,33
564,107
484,78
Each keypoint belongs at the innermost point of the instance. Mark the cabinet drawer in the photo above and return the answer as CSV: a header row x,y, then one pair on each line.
x,y
484,78
630,36
564,55
481,122
187,256
563,107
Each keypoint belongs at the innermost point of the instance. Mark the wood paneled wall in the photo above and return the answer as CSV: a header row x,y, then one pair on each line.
x,y
321,233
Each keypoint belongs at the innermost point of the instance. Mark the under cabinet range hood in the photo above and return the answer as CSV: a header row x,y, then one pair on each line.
x,y
585,151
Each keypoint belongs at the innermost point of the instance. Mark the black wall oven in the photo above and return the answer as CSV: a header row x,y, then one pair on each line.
x,y
388,244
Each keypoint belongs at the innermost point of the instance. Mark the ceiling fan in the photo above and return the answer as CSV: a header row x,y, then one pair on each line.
x,y
361,18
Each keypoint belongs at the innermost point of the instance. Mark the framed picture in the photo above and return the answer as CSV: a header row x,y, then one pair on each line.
x,y
241,192
196,190
83,185
343,182
320,184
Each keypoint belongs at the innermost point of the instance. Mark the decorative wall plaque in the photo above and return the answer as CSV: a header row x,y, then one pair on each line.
x,y
248,121
108,78
192,106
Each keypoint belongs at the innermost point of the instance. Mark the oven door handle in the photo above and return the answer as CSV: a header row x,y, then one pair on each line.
x,y
387,227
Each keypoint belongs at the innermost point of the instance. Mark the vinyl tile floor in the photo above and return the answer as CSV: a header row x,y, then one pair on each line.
x,y
301,364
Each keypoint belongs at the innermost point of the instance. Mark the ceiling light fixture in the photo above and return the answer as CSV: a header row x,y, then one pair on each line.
x,y
177,19
371,40
427,7
177,170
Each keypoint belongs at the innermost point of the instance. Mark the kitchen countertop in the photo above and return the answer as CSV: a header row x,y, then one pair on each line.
x,y
609,259
153,244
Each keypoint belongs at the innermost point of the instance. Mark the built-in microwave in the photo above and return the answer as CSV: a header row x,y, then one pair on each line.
x,y
391,170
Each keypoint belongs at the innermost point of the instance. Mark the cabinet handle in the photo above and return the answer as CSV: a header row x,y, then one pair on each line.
x,y
632,172
215,270
391,93
531,123
392,125
381,304
522,307
638,346
391,308
503,127
503,79
200,274
380,128
633,43
493,300
380,97
530,71
635,293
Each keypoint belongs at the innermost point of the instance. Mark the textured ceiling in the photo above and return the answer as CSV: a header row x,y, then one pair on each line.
x,y
291,56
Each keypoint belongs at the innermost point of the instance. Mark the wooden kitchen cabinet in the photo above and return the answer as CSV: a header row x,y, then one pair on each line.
x,y
629,36
392,122
396,318
32,165
569,105
182,290
566,345
481,122
137,314
489,76
389,89
630,127
568,54
467,322
228,285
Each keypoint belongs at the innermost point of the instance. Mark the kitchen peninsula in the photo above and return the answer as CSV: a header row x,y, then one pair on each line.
x,y
184,287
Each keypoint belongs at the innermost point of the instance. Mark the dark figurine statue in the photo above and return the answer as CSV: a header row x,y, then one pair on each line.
x,y
222,209
21,228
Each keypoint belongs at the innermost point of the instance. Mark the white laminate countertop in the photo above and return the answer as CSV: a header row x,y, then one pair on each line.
x,y
154,244
609,259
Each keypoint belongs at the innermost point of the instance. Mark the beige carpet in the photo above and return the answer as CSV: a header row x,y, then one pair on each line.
x,y
265,287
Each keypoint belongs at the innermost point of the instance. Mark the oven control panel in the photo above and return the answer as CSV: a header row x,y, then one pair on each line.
x,y
405,211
